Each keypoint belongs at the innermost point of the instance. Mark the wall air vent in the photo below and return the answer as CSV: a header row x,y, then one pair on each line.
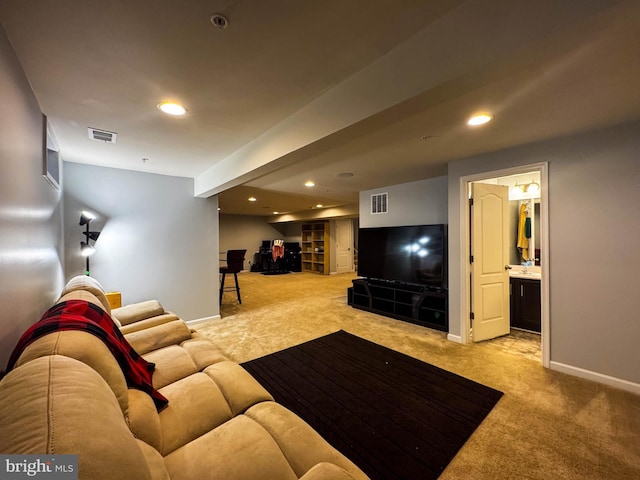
x,y
379,203
102,135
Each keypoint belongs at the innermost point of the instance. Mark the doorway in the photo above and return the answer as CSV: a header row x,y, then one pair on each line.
x,y
541,245
343,246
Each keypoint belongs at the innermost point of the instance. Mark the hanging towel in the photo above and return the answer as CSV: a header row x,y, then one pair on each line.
x,y
523,241
277,250
527,227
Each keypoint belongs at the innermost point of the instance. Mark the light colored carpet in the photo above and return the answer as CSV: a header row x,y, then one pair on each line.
x,y
547,426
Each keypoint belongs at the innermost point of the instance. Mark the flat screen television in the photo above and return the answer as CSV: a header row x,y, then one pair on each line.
x,y
415,254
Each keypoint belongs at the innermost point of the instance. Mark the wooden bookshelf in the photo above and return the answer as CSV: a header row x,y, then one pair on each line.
x,y
315,247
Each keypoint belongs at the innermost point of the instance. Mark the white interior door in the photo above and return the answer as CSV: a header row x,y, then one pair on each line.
x,y
344,246
489,269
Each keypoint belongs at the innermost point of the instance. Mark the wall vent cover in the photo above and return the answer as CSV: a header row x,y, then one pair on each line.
x,y
102,135
379,203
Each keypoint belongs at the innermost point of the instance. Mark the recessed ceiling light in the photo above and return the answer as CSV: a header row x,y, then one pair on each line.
x,y
319,205
276,213
345,175
171,108
480,119
309,183
252,199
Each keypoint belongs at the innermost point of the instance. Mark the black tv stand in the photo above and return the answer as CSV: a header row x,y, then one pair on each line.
x,y
412,303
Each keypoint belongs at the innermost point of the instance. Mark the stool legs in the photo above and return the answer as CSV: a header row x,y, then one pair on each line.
x,y
235,277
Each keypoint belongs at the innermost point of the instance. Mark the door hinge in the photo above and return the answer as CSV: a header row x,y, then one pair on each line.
x,y
470,258
472,316
471,202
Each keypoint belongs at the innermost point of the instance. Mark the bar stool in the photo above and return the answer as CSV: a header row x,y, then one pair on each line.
x,y
235,263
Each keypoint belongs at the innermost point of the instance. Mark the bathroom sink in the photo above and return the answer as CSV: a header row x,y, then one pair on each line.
x,y
523,274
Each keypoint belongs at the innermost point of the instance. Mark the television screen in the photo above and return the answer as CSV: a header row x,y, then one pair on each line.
x,y
412,254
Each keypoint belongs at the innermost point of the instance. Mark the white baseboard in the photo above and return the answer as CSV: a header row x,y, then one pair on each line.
x,y
454,338
596,377
198,321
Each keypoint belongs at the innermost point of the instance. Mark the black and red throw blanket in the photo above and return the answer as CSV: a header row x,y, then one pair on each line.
x,y
87,317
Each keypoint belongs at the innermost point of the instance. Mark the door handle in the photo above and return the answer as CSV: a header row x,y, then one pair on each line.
x,y
508,267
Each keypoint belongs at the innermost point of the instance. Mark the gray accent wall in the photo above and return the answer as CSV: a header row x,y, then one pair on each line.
x,y
238,232
423,202
594,227
157,240
31,274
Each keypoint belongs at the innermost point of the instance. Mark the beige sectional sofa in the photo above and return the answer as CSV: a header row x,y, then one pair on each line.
x,y
67,394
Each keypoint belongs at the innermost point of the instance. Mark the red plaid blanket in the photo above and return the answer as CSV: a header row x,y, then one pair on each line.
x,y
87,317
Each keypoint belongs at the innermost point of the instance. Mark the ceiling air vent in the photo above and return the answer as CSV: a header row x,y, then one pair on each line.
x,y
379,203
102,135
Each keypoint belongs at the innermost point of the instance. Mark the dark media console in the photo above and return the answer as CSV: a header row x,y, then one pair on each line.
x,y
412,303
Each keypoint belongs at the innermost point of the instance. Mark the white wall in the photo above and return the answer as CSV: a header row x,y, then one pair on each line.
x,y
423,202
594,191
31,240
158,241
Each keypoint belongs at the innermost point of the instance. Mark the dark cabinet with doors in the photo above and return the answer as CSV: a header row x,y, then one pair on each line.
x,y
525,304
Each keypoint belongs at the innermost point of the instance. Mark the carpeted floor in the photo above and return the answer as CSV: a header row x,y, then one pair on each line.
x,y
396,417
547,426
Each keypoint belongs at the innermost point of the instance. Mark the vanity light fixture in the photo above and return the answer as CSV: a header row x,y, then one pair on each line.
x,y
479,119
172,108
533,187
517,189
530,188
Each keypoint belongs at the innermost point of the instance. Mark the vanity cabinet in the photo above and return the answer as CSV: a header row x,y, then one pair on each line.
x,y
525,304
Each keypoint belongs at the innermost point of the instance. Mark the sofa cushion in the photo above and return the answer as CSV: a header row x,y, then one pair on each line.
x,y
239,449
196,406
138,311
171,333
60,405
301,445
86,348
143,419
155,462
203,352
327,471
239,388
172,364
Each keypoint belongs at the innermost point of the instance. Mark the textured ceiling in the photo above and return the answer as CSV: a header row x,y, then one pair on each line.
x,y
292,90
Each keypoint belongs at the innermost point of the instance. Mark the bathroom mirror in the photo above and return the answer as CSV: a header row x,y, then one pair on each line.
x,y
533,251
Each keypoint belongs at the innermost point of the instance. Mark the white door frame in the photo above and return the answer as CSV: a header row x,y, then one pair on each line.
x,y
465,324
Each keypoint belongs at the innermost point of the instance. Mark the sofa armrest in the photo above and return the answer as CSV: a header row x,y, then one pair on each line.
x,y
148,322
137,311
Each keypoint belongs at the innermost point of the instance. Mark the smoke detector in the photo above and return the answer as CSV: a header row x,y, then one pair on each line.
x,y
220,21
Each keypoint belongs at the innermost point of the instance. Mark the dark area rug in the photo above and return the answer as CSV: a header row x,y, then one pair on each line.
x,y
394,416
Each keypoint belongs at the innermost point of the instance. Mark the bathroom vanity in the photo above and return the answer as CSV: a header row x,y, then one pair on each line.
x,y
525,298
